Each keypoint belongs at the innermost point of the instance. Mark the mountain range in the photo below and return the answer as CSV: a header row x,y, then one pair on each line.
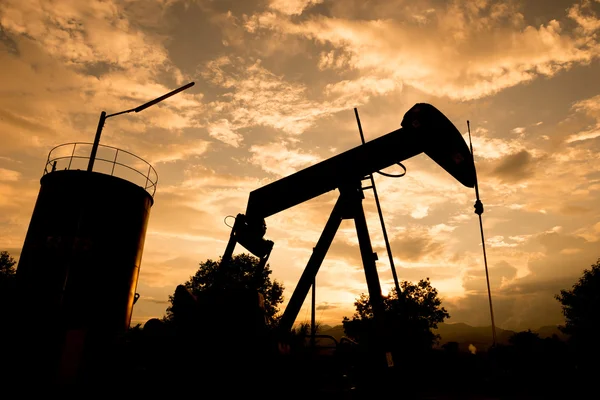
x,y
465,335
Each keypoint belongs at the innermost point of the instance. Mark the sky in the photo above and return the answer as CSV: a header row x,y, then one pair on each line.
x,y
276,82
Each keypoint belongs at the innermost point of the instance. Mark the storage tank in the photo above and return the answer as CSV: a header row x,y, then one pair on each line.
x,y
79,267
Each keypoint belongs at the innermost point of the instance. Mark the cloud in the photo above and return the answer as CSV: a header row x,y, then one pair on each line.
x,y
519,130
255,96
176,151
591,108
524,299
153,300
414,245
278,159
500,272
72,60
326,306
221,130
292,7
272,81
471,50
9,175
584,16
515,167
487,146
420,211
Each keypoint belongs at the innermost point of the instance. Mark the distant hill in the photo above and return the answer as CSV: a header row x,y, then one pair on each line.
x,y
336,331
549,331
481,336
466,335
463,334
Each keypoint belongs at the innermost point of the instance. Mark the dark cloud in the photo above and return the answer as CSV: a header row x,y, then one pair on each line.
x,y
475,280
326,306
9,43
474,310
25,124
535,286
529,301
415,274
413,245
155,301
525,303
573,209
555,242
515,167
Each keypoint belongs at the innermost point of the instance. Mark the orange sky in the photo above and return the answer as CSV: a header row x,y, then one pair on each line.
x,y
276,83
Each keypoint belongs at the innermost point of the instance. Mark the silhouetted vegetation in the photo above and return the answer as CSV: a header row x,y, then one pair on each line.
x,y
8,285
409,316
211,283
219,325
7,263
581,308
220,335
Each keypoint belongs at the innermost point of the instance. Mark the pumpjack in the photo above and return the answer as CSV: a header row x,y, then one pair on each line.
x,y
424,129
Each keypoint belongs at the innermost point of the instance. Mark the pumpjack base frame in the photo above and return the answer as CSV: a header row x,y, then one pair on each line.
x,y
349,205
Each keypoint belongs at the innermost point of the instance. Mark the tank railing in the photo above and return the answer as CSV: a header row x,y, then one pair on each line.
x,y
150,176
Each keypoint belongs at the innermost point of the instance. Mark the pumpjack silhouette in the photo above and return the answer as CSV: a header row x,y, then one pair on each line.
x,y
424,129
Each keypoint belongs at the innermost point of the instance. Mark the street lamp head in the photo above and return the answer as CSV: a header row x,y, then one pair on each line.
x,y
161,98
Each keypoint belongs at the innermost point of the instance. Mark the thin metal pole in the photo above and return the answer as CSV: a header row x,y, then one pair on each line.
x,y
148,176
112,172
47,162
103,118
479,211
96,141
72,154
313,312
385,236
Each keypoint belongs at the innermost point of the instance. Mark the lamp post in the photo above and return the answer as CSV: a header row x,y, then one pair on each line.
x,y
103,118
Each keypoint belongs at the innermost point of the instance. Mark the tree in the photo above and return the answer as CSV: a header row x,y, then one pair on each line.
x,y
7,270
216,327
8,277
409,317
8,291
241,274
525,340
581,308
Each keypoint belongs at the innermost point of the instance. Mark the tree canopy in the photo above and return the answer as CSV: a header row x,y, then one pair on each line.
x,y
581,307
8,284
7,263
241,273
409,316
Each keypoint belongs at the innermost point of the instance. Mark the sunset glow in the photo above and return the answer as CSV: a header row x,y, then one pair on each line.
x,y
276,84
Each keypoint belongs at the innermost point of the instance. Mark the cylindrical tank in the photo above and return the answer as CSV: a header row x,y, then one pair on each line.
x,y
78,270
82,253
